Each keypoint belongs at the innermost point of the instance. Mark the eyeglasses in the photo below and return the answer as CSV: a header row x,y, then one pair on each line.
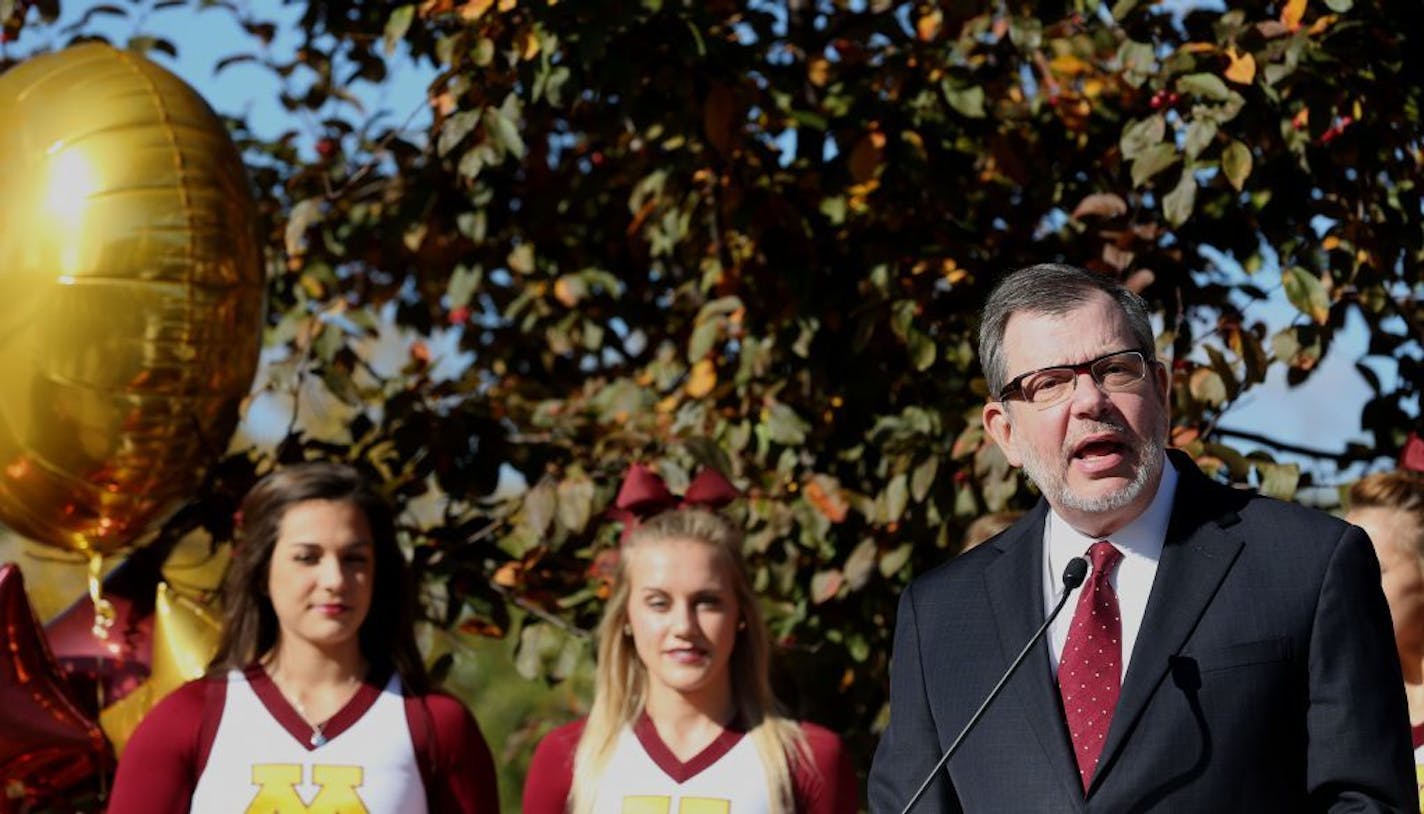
x,y
1047,386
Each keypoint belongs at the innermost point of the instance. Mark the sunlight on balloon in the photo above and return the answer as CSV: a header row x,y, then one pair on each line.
x,y
71,182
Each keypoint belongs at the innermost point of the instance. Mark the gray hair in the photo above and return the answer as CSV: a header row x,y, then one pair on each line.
x,y
1053,289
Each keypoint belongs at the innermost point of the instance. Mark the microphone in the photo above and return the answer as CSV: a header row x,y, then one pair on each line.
x,y
1073,576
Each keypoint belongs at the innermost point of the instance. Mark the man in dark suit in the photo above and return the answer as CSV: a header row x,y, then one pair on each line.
x,y
1229,652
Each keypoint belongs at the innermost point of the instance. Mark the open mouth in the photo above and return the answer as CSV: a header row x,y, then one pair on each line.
x,y
1098,447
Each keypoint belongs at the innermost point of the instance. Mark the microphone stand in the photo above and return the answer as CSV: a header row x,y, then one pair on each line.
x,y
1073,576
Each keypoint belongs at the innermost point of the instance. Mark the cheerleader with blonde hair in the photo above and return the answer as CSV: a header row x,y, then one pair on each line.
x,y
683,719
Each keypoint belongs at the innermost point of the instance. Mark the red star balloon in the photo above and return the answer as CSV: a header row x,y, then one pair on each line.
x,y
102,669
46,742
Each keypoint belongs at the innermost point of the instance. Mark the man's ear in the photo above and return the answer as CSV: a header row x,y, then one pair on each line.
x,y
1164,386
995,416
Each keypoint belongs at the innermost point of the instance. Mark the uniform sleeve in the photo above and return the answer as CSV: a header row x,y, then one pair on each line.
x,y
159,768
1359,756
551,771
465,781
828,784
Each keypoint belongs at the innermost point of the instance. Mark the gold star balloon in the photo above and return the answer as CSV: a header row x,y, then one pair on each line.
x,y
185,637
131,293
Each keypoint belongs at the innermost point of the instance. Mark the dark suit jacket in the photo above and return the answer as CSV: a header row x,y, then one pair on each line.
x,y
1264,676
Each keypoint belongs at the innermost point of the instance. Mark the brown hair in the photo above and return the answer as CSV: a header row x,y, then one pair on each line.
x,y
250,628
1401,491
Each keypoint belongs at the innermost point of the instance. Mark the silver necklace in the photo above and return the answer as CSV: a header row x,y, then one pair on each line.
x,y
318,737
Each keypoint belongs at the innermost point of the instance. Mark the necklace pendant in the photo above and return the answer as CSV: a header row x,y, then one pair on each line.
x,y
318,739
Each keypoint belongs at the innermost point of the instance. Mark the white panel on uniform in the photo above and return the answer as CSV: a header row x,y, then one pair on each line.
x,y
256,765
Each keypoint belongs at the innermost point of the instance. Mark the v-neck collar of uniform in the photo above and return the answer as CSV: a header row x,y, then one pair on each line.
x,y
647,734
285,714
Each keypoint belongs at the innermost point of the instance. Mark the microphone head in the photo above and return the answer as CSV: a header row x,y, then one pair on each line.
x,y
1074,573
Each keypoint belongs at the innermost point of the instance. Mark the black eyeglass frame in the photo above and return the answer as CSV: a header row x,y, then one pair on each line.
x,y
1015,385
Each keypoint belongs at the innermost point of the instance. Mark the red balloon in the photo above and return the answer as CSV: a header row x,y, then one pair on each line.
x,y
99,670
46,742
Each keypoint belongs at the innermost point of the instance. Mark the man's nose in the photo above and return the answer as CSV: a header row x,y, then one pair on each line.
x,y
1089,397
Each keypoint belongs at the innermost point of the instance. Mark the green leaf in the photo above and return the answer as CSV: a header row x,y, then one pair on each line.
x,y
784,426
1306,293
1138,61
1285,344
396,27
455,129
1178,203
575,503
1142,135
1122,8
702,339
1278,480
860,565
893,560
897,497
923,478
1204,85
539,506
1340,6
923,350
1153,161
1236,163
505,131
463,283
1199,135
967,100
1206,386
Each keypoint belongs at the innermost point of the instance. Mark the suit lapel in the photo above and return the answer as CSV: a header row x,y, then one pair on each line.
x,y
1200,548
1014,583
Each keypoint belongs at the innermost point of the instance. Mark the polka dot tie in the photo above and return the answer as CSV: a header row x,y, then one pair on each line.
x,y
1090,670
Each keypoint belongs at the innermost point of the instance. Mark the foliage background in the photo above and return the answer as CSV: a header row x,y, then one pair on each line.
x,y
755,236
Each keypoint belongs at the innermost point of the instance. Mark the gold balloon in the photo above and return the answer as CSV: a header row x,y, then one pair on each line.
x,y
185,637
130,295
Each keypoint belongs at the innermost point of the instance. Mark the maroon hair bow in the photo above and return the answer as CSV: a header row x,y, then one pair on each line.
x,y
1412,456
644,494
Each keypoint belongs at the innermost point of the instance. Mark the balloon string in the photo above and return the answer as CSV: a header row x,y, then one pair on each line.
x,y
104,613
104,617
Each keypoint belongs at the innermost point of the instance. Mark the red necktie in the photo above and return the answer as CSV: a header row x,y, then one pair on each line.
x,y
1090,670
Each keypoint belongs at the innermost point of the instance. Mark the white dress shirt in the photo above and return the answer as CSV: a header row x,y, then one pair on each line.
x,y
1141,545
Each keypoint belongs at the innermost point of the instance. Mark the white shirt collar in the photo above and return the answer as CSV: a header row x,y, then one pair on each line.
x,y
1140,542
1142,537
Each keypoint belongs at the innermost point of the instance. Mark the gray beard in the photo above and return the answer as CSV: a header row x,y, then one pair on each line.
x,y
1054,486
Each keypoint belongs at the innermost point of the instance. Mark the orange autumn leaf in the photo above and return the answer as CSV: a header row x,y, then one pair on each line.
x,y
474,9
1242,69
928,25
509,575
825,494
566,292
865,158
1068,65
818,71
702,379
1292,13
530,46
